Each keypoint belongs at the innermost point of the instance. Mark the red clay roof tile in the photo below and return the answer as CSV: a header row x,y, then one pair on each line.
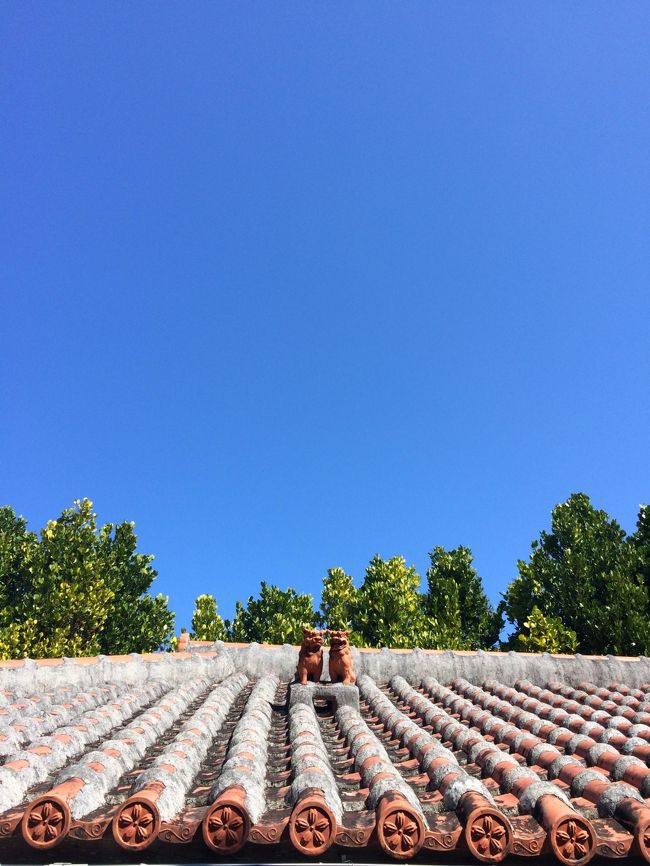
x,y
494,754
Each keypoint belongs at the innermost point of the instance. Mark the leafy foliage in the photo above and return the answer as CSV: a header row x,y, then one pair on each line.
x,y
277,616
583,573
640,542
338,600
547,634
138,622
389,610
76,590
81,589
457,603
442,605
16,551
206,622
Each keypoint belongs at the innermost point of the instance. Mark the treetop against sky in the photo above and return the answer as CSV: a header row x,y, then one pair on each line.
x,y
288,285
81,588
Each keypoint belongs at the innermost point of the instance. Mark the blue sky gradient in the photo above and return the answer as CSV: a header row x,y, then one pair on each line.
x,y
291,284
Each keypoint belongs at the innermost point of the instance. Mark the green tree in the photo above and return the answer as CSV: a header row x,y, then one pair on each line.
x,y
547,634
76,590
640,542
337,600
442,606
583,573
277,616
64,603
389,610
338,603
138,621
206,622
457,602
17,549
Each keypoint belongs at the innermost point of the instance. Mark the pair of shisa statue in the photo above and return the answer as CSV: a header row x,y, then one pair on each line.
x,y
310,657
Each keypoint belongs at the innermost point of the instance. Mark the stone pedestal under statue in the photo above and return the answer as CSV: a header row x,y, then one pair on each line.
x,y
334,693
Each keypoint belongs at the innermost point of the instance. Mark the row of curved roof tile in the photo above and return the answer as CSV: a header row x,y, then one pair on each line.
x,y
490,768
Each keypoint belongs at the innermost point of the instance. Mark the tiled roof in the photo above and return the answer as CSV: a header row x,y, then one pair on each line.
x,y
216,750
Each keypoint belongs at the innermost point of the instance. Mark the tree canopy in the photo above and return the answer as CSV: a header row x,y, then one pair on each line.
x,y
80,588
206,622
338,600
77,589
277,616
456,601
388,610
584,588
585,578
442,604
546,634
640,542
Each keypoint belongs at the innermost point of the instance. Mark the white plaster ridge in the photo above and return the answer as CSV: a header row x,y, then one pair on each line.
x,y
89,728
364,745
131,743
207,719
309,759
250,737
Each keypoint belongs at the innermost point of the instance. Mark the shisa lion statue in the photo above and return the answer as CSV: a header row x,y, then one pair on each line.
x,y
310,657
341,668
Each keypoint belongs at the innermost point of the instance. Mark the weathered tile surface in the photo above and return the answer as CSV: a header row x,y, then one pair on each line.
x,y
190,755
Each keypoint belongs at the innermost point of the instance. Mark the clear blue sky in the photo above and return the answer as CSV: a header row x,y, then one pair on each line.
x,y
289,284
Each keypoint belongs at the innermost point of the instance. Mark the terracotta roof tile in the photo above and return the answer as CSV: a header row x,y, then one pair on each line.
x,y
493,754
